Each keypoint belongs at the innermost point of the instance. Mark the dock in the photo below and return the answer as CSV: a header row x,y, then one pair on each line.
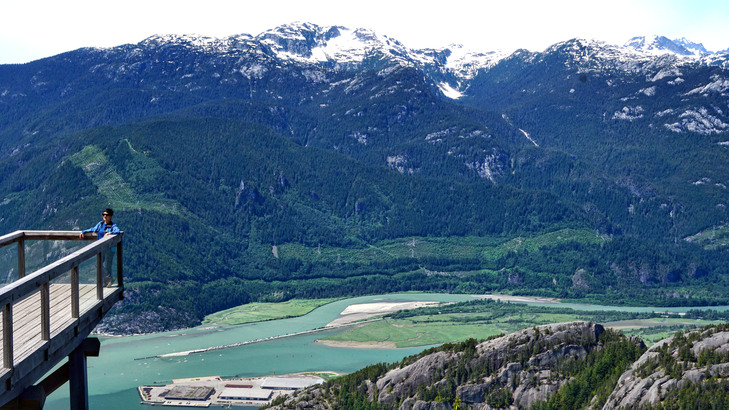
x,y
226,392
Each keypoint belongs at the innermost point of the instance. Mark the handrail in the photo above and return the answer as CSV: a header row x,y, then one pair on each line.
x,y
13,237
41,279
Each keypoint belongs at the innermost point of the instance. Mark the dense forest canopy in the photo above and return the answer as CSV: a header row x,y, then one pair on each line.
x,y
244,176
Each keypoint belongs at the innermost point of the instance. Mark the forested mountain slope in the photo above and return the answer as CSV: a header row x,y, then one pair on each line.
x,y
293,163
559,366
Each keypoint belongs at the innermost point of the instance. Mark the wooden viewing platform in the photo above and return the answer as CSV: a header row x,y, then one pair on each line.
x,y
46,316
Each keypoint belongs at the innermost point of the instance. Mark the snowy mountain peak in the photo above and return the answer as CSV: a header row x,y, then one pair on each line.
x,y
202,43
309,43
451,68
468,62
658,45
165,39
694,48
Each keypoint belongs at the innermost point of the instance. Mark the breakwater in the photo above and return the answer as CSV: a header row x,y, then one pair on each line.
x,y
260,340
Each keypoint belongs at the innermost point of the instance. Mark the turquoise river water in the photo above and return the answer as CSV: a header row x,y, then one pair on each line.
x,y
125,363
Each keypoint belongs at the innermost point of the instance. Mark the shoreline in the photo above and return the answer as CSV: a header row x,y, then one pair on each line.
x,y
356,312
357,345
373,309
519,299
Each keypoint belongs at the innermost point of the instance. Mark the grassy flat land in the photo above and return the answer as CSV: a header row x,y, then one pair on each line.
x,y
480,320
258,312
405,333
446,328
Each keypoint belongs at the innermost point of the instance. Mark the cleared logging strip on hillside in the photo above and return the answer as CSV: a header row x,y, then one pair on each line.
x,y
38,284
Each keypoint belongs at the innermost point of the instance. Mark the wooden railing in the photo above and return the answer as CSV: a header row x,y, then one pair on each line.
x,y
19,373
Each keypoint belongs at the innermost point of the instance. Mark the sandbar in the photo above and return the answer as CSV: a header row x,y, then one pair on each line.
x,y
361,311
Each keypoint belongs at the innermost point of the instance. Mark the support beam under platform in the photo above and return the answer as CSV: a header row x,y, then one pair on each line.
x,y
73,371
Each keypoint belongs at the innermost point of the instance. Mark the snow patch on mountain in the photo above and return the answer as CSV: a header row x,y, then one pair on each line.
x,y
694,48
308,43
450,69
587,56
312,44
655,56
468,63
342,48
527,136
449,91
658,45
720,59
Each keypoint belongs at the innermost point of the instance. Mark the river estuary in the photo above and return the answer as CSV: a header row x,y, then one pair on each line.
x,y
125,362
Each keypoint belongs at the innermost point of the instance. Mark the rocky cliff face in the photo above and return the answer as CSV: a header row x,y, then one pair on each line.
x,y
569,365
514,370
522,364
697,358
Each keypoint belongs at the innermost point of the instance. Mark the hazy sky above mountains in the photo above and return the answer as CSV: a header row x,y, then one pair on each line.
x,y
33,29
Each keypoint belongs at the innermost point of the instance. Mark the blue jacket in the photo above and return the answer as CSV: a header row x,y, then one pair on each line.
x,y
101,229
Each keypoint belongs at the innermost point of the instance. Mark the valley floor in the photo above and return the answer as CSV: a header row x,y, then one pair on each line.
x,y
450,324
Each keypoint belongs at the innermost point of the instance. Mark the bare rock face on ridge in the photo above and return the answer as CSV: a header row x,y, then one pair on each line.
x,y
694,358
518,369
520,364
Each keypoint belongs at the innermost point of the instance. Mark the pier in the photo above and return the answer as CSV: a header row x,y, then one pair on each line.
x,y
226,392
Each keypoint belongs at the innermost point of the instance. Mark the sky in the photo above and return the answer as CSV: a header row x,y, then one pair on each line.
x,y
33,29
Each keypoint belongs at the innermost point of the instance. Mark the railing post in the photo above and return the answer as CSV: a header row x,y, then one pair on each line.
x,y
119,265
21,258
99,277
45,312
7,336
74,293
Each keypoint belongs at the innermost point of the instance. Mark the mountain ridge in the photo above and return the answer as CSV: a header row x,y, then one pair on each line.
x,y
565,365
584,135
341,47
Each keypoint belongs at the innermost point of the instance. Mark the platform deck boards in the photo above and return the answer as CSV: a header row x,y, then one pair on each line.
x,y
27,317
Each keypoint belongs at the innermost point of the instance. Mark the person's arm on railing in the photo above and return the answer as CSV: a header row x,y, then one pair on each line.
x,y
94,229
114,230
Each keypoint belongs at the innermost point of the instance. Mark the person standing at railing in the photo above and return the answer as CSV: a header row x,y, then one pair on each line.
x,y
103,228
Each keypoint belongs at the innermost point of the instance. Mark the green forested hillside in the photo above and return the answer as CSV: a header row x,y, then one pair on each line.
x,y
241,177
218,212
203,201
639,134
